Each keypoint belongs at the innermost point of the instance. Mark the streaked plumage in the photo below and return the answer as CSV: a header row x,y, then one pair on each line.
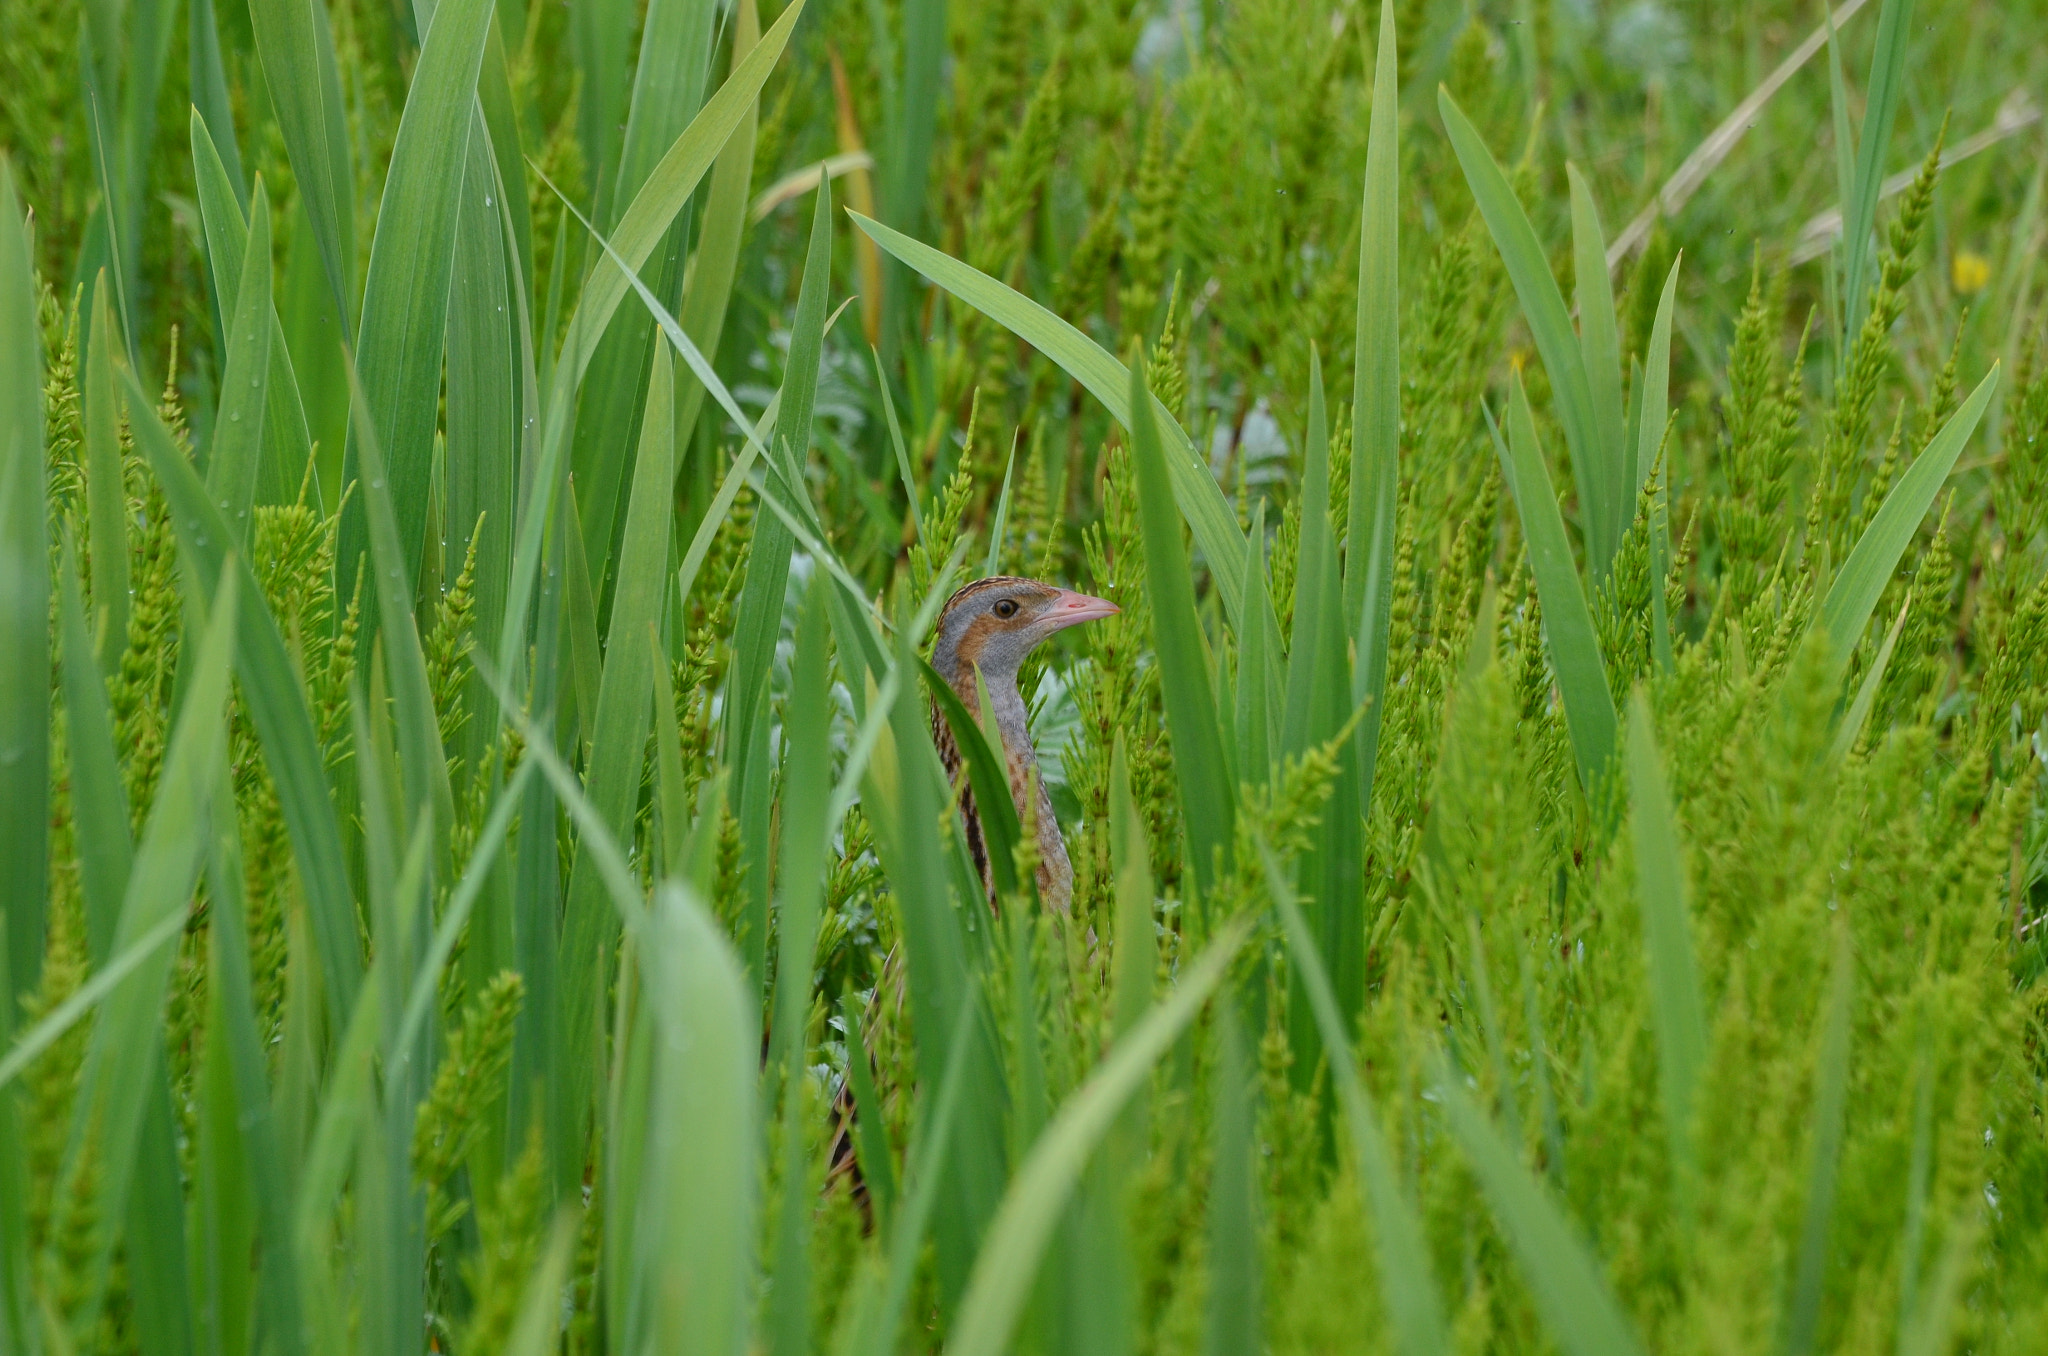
x,y
992,624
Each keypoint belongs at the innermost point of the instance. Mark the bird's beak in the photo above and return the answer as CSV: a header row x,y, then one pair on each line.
x,y
1071,609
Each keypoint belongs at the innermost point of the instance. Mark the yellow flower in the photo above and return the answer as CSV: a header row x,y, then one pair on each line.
x,y
1969,271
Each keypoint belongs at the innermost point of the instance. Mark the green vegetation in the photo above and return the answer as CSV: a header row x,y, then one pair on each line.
x,y
1558,825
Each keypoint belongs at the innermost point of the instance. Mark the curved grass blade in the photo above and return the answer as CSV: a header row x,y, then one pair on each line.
x,y
1567,622
405,292
667,189
1858,714
1676,1012
1403,1253
1376,408
716,263
30,1045
1656,401
1853,596
1007,1266
296,48
1595,465
1564,1276
271,694
1193,488
24,606
986,777
1205,788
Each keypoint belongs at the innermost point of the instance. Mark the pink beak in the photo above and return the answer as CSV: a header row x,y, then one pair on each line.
x,y
1071,609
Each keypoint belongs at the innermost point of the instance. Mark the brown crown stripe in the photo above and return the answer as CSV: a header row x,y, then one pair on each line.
x,y
994,581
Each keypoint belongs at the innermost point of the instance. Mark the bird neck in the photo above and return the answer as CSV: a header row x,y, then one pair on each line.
x,y
1013,717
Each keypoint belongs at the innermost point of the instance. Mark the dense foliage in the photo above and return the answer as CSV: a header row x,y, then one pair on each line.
x,y
1558,822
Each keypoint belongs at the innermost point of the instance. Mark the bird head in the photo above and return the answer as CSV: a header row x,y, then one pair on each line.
x,y
993,623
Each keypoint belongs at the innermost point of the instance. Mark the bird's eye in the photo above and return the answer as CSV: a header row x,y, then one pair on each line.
x,y
1006,609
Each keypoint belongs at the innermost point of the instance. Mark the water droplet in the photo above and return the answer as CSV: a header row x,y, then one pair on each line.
x,y
376,484
235,416
487,200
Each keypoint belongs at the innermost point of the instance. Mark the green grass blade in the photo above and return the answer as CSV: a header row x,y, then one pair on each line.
x,y
1830,1101
672,818
904,795
1258,665
1402,1252
708,293
806,783
287,444
1853,595
233,459
405,291
1194,488
873,1331
304,83
1594,461
276,705
876,1168
1677,1014
1233,1320
1007,1266
242,1088
911,494
1205,790
1137,949
123,1062
621,716
480,471
30,1044
1600,355
999,526
24,606
106,492
490,840
538,1327
1880,110
1858,714
1656,388
1563,1274
1567,622
668,87
1315,567
423,760
700,1283
99,802
758,622
1376,408
209,85
986,778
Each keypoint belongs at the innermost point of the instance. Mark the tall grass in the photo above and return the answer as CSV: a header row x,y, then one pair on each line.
x,y
1558,836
